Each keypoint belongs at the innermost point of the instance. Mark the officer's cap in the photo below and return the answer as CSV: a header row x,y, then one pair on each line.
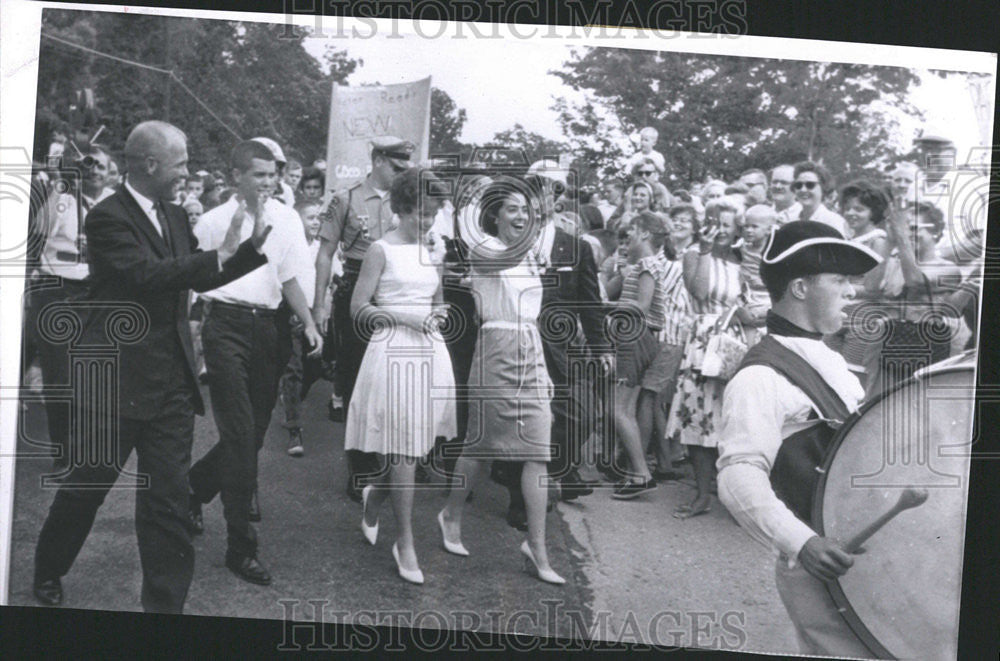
x,y
395,149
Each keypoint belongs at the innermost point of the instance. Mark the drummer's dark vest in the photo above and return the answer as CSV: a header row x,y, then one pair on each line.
x,y
799,462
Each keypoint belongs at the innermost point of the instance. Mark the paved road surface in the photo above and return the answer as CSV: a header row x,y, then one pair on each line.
x,y
634,573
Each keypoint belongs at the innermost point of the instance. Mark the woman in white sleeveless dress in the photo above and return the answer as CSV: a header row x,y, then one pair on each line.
x,y
404,395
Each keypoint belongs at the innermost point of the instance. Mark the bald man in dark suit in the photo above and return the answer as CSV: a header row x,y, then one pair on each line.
x,y
142,253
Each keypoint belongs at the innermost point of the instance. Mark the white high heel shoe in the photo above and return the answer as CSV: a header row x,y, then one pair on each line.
x,y
531,567
451,547
412,575
370,532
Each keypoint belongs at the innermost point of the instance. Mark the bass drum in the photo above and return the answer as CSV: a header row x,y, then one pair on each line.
x,y
902,595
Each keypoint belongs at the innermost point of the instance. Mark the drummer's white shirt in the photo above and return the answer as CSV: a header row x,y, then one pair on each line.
x,y
760,408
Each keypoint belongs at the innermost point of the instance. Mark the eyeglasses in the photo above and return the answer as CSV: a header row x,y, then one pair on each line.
x,y
646,173
808,185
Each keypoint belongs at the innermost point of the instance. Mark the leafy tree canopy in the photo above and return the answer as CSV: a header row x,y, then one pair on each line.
x,y
256,78
718,116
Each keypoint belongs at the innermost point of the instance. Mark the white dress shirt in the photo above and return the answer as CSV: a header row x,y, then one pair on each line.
x,y
761,408
827,217
147,205
285,248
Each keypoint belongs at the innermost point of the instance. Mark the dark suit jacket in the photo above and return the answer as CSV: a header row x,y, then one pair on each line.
x,y
570,289
130,262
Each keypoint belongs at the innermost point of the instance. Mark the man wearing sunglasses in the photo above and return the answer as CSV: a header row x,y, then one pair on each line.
x,y
354,218
811,183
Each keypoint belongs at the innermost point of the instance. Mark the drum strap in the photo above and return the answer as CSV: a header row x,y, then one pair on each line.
x,y
799,462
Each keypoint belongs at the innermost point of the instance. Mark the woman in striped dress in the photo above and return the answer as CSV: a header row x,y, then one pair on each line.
x,y
712,276
642,294
660,381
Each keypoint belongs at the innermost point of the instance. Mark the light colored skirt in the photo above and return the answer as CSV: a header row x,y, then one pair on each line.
x,y
510,395
404,396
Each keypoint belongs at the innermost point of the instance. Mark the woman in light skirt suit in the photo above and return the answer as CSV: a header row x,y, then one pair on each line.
x,y
509,387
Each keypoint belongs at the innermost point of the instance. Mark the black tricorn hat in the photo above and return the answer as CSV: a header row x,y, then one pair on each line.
x,y
806,247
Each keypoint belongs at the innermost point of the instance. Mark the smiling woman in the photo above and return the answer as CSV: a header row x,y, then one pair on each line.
x,y
509,389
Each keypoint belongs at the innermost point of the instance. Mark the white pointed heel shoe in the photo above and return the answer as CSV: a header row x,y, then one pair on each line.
x,y
370,532
411,575
451,547
531,567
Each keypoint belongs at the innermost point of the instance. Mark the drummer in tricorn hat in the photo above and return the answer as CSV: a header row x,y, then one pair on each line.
x,y
779,416
356,216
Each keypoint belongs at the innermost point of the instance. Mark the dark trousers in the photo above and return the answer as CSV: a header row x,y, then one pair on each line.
x,y
461,349
350,351
53,358
241,354
300,375
163,446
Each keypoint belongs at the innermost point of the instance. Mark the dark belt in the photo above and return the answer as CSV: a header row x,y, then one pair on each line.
x,y
239,307
70,257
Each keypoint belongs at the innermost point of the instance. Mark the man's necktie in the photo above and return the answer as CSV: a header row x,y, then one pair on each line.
x,y
161,217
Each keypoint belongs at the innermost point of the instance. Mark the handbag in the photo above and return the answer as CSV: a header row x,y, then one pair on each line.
x,y
724,352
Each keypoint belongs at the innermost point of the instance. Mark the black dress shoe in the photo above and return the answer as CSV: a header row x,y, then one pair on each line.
x,y
517,518
572,486
253,514
48,592
249,569
352,491
336,414
572,491
196,524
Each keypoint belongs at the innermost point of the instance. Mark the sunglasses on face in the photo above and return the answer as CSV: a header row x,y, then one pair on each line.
x,y
646,173
808,185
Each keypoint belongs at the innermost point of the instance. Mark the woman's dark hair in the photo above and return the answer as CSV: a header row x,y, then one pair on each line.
x,y
931,214
413,187
494,196
608,239
592,217
650,222
876,198
826,181
312,174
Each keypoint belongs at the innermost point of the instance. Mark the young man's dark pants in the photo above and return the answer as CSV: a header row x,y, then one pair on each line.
x,y
241,354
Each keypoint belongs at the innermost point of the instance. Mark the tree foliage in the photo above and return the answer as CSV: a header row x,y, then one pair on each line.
x,y
447,121
256,78
718,116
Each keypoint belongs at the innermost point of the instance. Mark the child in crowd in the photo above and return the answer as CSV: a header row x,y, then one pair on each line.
x,y
194,187
756,228
647,140
301,372
194,209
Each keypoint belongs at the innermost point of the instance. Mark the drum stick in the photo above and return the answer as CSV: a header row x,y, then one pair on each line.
x,y
908,499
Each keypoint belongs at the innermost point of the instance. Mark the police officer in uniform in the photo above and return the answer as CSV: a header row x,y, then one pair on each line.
x,y
355,217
